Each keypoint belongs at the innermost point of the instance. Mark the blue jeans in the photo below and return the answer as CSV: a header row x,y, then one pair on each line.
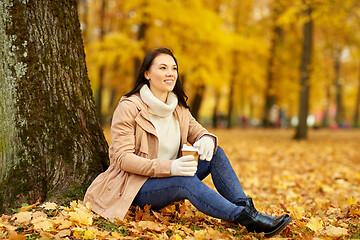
x,y
160,192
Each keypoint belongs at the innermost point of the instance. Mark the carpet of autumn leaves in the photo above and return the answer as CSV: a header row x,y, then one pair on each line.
x,y
316,181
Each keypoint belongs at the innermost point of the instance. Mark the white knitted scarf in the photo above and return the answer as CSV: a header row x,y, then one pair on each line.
x,y
166,125
156,106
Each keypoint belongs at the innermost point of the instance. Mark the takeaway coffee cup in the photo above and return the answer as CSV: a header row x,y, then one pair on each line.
x,y
190,150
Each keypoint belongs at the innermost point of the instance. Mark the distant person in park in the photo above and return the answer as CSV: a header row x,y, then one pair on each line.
x,y
149,126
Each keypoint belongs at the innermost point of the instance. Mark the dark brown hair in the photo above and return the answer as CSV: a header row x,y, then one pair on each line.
x,y
146,64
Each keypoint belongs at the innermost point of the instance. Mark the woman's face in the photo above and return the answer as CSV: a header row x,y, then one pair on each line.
x,y
162,76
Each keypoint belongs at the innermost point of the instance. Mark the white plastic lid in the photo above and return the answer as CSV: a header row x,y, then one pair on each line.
x,y
189,148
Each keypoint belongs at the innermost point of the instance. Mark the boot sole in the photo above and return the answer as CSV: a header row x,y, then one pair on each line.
x,y
279,229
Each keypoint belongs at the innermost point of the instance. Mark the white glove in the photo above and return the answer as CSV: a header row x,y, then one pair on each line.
x,y
206,145
184,166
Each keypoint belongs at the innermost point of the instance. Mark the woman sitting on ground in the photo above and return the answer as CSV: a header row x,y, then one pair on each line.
x,y
149,126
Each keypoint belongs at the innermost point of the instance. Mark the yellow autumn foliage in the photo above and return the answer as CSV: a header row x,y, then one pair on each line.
x,y
222,42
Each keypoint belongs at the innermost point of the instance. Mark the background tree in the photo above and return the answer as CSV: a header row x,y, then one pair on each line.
x,y
357,105
51,142
305,69
99,93
206,34
276,35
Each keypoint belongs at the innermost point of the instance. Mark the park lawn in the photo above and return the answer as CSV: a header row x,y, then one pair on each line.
x,y
316,181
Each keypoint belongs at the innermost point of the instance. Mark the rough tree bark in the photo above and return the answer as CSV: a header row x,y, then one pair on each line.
x,y
301,130
51,142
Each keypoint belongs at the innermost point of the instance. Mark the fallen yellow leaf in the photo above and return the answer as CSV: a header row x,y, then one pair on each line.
x,y
355,212
116,235
176,237
335,231
15,236
300,224
200,235
42,223
89,206
49,206
296,211
352,201
64,233
64,224
170,208
88,235
315,224
27,208
149,225
77,231
23,217
8,227
46,236
81,216
327,188
73,204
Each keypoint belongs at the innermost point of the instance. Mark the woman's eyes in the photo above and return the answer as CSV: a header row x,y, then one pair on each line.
x,y
175,68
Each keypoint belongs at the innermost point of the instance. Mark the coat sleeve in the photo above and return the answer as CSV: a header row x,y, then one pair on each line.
x,y
196,131
123,145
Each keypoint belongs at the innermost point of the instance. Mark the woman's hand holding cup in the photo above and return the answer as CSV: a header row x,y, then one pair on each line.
x,y
184,166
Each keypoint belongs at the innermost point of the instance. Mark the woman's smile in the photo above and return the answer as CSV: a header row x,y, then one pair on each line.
x,y
162,76
169,80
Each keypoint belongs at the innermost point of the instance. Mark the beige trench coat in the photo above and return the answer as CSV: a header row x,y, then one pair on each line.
x,y
133,156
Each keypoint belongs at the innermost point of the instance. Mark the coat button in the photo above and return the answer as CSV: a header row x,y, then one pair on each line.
x,y
108,189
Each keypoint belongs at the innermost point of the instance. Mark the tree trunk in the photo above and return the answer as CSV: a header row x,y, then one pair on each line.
x,y
51,143
231,102
270,91
301,130
141,37
235,71
357,106
215,117
235,57
83,6
325,120
338,89
196,102
99,95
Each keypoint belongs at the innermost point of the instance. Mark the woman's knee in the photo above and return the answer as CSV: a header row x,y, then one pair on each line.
x,y
186,181
219,155
219,151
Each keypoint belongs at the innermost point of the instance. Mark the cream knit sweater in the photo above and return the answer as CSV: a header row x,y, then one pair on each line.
x,y
166,125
